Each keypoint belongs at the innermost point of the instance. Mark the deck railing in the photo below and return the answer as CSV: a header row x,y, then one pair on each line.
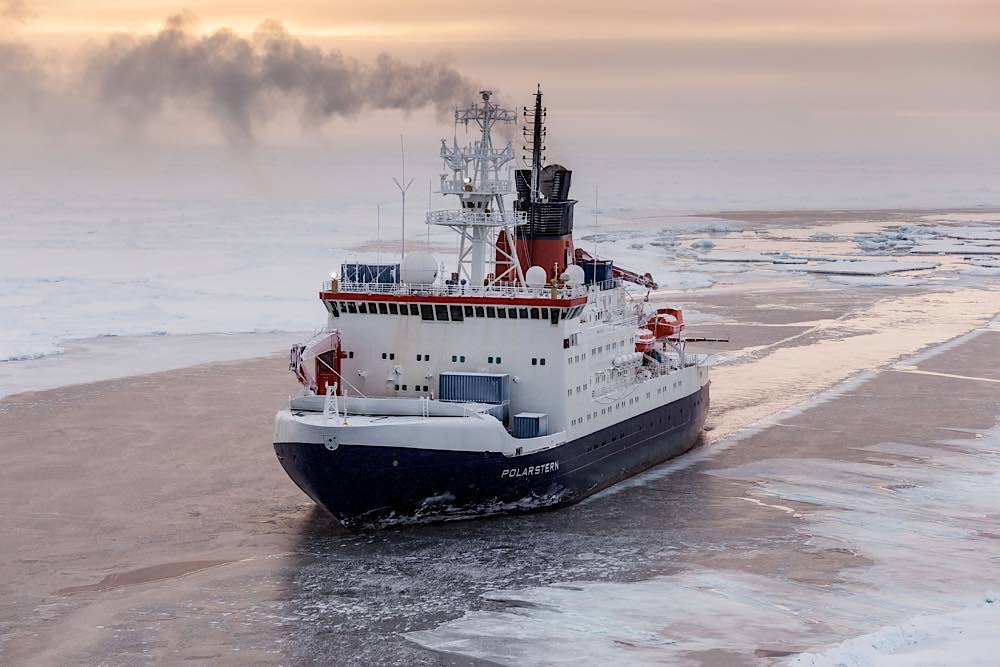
x,y
497,289
460,216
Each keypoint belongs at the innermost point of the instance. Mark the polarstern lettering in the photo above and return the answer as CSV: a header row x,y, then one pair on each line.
x,y
530,470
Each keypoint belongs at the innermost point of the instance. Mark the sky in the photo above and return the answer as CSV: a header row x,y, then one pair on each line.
x,y
649,77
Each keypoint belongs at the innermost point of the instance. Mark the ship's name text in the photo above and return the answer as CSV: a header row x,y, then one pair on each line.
x,y
530,470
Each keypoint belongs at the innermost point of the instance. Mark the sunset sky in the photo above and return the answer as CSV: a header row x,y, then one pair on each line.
x,y
863,77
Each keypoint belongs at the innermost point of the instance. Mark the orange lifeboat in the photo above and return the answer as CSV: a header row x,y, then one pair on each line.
x,y
666,322
644,340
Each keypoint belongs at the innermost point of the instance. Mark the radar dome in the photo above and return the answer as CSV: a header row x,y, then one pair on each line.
x,y
535,276
419,268
573,275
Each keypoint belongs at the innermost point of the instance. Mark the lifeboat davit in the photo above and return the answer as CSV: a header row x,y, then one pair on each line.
x,y
666,322
644,340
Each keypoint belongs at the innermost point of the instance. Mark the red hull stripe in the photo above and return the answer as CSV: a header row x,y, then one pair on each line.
x,y
471,300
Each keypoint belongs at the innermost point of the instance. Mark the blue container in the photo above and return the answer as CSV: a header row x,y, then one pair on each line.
x,y
474,387
386,274
596,272
530,424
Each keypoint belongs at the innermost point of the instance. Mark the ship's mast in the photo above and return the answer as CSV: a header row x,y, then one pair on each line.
x,y
480,178
537,132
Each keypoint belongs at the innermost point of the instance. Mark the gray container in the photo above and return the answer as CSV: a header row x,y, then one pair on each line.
x,y
530,424
474,387
386,274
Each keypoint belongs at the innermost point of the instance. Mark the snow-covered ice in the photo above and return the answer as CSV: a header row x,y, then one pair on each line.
x,y
968,637
944,247
865,267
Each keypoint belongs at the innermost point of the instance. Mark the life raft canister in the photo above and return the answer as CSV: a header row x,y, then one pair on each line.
x,y
644,340
666,322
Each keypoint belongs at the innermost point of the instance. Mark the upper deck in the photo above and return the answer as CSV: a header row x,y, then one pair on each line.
x,y
458,293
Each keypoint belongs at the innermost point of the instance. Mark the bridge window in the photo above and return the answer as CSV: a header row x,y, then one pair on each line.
x,y
522,313
372,308
426,312
363,308
383,308
352,307
501,313
394,309
480,312
441,312
512,313
491,311
414,309
456,314
468,311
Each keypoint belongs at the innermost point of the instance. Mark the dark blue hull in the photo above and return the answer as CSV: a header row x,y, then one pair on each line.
x,y
370,486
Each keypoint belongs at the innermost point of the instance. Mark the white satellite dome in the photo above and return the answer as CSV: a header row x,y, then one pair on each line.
x,y
419,268
535,276
573,275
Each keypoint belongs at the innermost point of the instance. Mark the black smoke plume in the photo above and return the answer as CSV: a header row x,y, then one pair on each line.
x,y
237,81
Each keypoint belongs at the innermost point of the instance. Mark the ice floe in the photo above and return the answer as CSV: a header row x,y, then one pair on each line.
x,y
865,267
944,247
967,637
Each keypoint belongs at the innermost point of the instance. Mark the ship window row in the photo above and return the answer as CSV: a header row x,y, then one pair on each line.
x,y
416,387
608,347
452,313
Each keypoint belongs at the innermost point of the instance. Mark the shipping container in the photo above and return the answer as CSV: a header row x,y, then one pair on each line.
x,y
386,274
474,387
596,272
530,424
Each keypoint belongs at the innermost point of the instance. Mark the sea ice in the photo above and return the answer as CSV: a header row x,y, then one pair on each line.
x,y
964,638
865,267
939,247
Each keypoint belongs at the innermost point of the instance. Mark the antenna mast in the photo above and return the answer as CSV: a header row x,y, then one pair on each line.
x,y
402,194
479,179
